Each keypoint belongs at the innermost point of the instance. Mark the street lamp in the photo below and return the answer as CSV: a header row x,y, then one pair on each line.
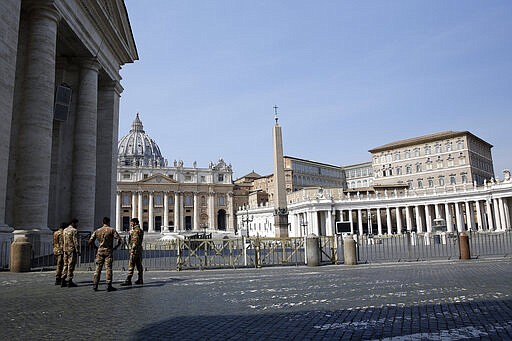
x,y
246,220
304,224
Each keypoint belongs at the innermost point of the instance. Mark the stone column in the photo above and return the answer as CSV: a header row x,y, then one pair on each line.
x,y
497,219
329,229
134,207
177,225
360,221
119,221
106,150
165,227
507,213
479,216
398,220
379,222
83,197
388,221
34,140
9,43
151,218
211,211
196,211
419,222
139,208
437,211
351,221
449,219
408,218
503,220
182,212
458,218
470,220
428,218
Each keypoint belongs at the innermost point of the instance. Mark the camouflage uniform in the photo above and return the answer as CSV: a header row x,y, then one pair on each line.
x,y
71,250
105,236
136,237
58,245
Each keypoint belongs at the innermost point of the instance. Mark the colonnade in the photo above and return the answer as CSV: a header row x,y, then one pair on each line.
x,y
201,210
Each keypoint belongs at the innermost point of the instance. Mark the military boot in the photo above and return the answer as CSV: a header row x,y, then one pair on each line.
x,y
111,288
127,282
71,284
139,280
58,281
64,283
95,286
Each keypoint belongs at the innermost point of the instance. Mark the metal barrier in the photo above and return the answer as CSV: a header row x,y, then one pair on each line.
x,y
5,254
259,252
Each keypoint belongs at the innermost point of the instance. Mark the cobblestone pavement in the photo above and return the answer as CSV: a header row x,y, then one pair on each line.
x,y
405,301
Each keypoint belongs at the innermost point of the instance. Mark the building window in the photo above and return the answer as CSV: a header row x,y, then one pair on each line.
x,y
145,176
430,183
428,150
438,148
452,180
127,176
397,156
126,200
448,146
221,178
464,178
188,177
203,178
407,154
408,169
441,181
418,167
409,184
416,152
145,200
221,200
188,200
158,200
420,183
460,145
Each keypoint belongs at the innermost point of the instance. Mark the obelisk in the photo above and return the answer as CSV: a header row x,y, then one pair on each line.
x,y
280,205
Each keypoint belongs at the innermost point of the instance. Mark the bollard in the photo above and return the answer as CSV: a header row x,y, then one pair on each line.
x,y
349,251
21,252
312,251
464,246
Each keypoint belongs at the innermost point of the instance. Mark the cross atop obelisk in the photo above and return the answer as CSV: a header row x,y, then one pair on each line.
x,y
280,205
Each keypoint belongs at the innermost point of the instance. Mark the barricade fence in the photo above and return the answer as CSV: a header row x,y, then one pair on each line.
x,y
262,252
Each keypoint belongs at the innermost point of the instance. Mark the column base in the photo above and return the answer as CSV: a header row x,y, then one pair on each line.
x,y
41,240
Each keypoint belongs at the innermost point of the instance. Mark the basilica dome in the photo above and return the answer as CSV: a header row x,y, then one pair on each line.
x,y
138,149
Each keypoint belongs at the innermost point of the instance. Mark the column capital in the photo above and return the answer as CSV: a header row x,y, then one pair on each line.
x,y
88,63
43,9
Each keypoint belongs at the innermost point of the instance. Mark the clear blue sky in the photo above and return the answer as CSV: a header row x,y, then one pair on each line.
x,y
347,76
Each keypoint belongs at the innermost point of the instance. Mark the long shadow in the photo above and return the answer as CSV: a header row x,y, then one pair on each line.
x,y
102,283
474,320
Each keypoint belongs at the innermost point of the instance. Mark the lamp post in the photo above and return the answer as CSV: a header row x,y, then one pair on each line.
x,y
304,225
246,220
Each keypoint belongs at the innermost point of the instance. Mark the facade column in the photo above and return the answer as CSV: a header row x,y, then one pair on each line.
x,y
497,219
449,219
139,208
106,152
8,65
490,220
182,211
351,221
379,222
83,199
428,218
134,207
151,218
119,222
458,218
211,211
196,211
470,219
388,221
419,225
507,213
408,218
437,212
502,214
34,135
177,225
165,227
360,221
329,229
479,216
398,220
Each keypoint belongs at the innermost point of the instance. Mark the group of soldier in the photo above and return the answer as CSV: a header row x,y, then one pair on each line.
x,y
66,249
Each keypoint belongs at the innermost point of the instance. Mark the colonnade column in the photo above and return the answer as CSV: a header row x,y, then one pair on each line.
x,y
84,152
398,220
470,218
329,229
165,225
182,216
388,220
139,208
408,218
379,222
360,221
119,222
351,221
419,225
507,213
502,214
490,219
428,218
151,219
34,136
497,220
479,216
196,211
177,225
437,212
449,219
458,218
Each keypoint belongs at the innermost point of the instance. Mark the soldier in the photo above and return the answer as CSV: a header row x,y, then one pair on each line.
x,y
58,245
135,241
71,250
105,236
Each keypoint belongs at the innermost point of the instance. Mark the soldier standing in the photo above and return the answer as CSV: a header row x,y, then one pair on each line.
x,y
71,250
58,245
105,236
135,241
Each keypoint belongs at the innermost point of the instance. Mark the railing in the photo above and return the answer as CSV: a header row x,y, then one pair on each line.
x,y
5,250
264,252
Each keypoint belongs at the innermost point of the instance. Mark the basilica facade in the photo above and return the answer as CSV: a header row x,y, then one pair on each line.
x,y
170,197
59,105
